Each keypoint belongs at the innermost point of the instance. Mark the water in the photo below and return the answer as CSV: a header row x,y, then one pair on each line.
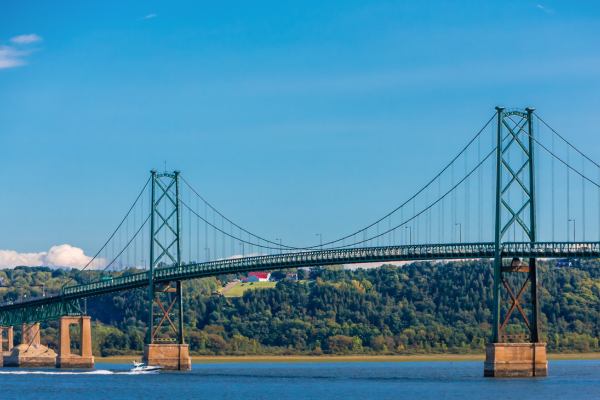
x,y
280,381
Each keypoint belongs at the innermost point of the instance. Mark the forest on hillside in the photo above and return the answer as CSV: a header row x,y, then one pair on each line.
x,y
417,308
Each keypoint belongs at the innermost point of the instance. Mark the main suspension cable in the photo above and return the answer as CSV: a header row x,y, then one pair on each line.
x,y
290,247
112,235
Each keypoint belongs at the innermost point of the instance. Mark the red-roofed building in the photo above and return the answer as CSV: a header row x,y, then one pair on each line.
x,y
258,277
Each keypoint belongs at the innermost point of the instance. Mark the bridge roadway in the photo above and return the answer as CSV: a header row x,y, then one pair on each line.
x,y
66,302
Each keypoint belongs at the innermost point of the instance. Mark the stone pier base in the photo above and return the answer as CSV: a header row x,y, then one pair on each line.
x,y
515,360
168,356
8,332
30,353
30,356
65,358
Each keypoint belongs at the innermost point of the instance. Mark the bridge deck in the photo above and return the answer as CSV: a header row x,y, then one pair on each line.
x,y
60,304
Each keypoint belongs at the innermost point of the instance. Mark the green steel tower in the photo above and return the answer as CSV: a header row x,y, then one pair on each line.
x,y
515,222
165,320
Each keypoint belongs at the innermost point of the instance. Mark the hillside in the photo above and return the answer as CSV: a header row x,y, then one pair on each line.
x,y
417,308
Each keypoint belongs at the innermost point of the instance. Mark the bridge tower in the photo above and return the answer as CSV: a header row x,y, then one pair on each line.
x,y
165,344
515,348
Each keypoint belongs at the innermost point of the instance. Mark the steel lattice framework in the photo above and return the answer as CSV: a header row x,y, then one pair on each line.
x,y
515,209
165,297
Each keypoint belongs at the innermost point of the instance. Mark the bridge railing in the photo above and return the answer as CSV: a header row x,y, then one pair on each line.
x,y
113,284
321,257
551,249
328,257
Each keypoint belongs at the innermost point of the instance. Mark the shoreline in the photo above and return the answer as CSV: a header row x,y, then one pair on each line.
x,y
346,358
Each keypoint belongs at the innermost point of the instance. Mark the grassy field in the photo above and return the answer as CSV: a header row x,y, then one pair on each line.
x,y
351,358
239,289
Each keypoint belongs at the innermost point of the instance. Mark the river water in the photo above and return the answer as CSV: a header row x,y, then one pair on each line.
x,y
279,381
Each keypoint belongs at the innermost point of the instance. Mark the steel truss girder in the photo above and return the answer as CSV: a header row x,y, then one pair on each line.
x,y
35,312
451,251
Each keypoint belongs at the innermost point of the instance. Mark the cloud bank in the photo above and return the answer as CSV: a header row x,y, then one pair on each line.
x,y
63,255
26,39
15,54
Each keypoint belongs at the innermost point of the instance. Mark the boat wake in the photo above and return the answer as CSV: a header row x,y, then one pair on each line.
x,y
97,372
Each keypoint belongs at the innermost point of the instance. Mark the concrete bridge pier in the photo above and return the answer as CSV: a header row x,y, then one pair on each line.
x,y
168,356
30,334
7,335
65,358
507,360
9,342
30,353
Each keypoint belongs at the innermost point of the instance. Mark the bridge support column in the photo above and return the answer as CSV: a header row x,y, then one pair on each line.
x,y
507,360
30,353
168,356
9,339
30,334
65,358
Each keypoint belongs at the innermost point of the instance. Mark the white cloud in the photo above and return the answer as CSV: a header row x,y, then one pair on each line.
x,y
150,16
11,57
26,39
544,9
14,55
63,255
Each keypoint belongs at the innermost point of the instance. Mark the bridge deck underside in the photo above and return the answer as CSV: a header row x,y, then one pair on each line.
x,y
45,308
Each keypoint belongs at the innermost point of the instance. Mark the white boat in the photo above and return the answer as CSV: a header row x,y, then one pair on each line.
x,y
141,367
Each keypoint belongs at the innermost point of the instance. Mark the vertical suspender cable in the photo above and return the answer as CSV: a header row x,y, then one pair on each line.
x,y
440,209
453,208
143,248
583,198
479,184
189,241
390,232
197,231
466,205
134,242
223,237
206,250
553,192
414,238
214,246
568,195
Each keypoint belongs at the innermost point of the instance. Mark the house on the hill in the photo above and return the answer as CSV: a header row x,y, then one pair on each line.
x,y
257,277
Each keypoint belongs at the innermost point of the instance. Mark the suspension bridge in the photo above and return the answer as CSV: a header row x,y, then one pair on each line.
x,y
483,204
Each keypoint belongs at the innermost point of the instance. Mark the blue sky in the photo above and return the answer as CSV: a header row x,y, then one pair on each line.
x,y
290,116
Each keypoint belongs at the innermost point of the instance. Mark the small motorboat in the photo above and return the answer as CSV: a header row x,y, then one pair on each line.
x,y
141,367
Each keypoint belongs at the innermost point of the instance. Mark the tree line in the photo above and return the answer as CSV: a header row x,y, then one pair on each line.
x,y
421,307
